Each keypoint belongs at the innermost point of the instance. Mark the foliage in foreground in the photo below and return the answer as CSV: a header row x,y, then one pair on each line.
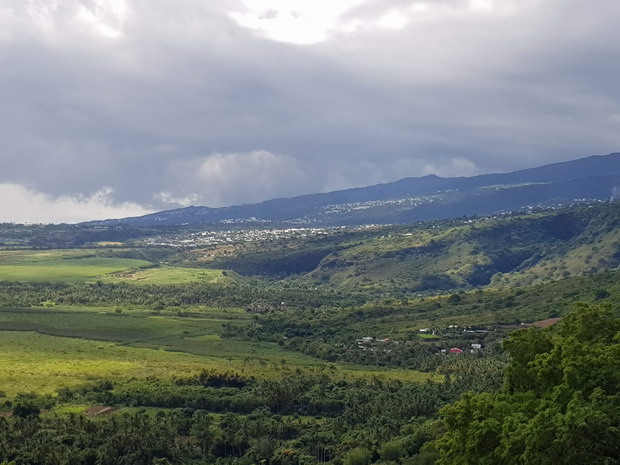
x,y
352,422
560,403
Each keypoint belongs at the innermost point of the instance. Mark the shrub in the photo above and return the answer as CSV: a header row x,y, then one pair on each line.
x,y
358,456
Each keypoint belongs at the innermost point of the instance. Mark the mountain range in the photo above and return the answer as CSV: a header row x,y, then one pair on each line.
x,y
594,178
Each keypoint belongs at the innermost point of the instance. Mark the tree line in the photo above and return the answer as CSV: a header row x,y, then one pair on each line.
x,y
299,418
159,297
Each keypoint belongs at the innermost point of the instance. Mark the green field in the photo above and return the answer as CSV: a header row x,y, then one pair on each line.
x,y
85,265
44,349
169,275
44,363
60,265
106,326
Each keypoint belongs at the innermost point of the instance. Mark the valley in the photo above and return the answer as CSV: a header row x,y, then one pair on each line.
x,y
318,344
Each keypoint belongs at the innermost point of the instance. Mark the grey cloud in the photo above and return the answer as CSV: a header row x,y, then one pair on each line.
x,y
176,108
232,178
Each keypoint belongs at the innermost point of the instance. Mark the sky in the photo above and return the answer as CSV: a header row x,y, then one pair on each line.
x,y
116,108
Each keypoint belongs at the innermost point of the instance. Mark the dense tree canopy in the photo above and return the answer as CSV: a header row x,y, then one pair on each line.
x,y
560,403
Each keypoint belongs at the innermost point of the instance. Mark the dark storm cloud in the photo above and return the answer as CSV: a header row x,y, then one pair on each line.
x,y
116,104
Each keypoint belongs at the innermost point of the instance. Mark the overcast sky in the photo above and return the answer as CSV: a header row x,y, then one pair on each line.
x,y
113,108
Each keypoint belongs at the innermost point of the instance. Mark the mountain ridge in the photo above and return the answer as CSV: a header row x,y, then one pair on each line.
x,y
421,198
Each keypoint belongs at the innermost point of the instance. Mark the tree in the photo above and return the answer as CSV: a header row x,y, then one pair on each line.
x,y
560,403
26,408
201,430
391,451
358,456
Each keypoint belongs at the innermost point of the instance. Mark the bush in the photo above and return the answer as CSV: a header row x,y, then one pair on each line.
x,y
358,456
391,451
26,409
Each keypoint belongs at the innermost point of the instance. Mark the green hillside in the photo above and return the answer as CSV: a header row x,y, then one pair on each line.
x,y
512,250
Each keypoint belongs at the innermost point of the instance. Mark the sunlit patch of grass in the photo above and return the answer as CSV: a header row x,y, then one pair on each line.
x,y
60,265
42,363
126,327
70,408
170,275
206,337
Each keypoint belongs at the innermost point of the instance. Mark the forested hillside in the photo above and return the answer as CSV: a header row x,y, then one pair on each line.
x,y
511,250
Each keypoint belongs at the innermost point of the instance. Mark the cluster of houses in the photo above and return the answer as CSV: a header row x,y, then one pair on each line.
x,y
457,351
373,344
470,339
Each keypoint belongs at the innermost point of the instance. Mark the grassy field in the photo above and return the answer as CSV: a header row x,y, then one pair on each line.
x,y
44,349
169,275
126,328
60,265
42,363
85,265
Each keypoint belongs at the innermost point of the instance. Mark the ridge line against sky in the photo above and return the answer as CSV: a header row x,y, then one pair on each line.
x,y
117,108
